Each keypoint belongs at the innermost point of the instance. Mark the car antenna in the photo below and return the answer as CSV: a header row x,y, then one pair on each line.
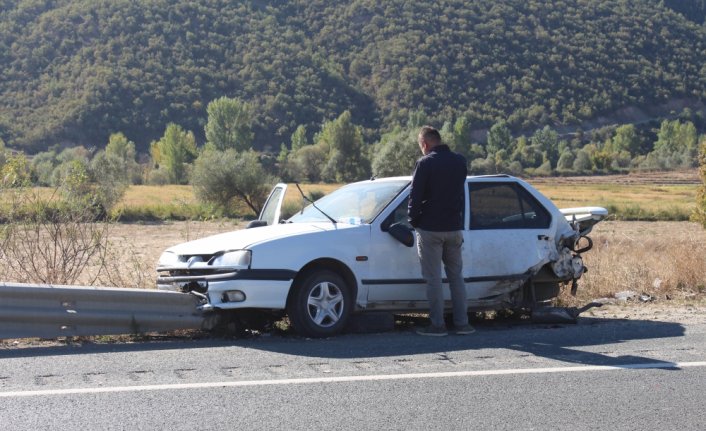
x,y
314,205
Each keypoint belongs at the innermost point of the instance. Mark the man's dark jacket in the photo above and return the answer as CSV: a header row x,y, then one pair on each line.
x,y
438,190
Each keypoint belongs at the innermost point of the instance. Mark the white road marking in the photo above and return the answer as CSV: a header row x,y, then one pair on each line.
x,y
347,379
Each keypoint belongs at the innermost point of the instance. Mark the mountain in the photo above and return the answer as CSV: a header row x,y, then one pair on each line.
x,y
75,71
694,10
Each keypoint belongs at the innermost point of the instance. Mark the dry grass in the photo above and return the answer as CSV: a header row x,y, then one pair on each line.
x,y
637,201
134,249
648,196
141,196
662,259
178,202
669,195
666,260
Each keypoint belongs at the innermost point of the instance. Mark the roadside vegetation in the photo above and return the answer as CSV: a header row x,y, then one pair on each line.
x,y
665,261
700,211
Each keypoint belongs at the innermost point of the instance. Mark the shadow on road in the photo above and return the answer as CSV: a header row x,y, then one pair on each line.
x,y
564,343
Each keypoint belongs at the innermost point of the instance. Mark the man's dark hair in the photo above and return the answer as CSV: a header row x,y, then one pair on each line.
x,y
430,134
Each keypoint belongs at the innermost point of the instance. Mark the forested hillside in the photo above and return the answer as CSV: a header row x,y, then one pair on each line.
x,y
694,10
75,71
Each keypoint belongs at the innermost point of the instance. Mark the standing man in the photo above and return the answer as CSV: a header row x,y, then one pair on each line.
x,y
436,212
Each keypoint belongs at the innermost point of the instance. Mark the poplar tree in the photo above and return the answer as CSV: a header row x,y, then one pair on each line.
x,y
229,124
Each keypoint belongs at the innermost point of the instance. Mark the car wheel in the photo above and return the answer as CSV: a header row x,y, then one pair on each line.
x,y
320,305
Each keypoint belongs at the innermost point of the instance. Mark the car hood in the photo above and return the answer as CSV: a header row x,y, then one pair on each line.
x,y
245,238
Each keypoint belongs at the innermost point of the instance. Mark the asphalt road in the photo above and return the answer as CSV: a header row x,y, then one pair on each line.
x,y
600,374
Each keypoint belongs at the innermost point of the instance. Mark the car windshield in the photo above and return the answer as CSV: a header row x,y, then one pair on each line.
x,y
354,204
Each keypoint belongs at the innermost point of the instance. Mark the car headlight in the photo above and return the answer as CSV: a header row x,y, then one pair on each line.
x,y
168,259
236,259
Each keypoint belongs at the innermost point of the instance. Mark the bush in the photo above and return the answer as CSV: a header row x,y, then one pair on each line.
x,y
50,239
158,177
699,214
397,156
15,172
223,178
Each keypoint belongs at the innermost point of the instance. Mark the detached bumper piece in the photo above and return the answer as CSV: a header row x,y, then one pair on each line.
x,y
560,314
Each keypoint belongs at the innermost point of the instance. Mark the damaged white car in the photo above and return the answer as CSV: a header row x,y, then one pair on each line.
x,y
353,251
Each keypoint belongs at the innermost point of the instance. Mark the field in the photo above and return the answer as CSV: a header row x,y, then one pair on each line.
x,y
648,196
178,202
665,260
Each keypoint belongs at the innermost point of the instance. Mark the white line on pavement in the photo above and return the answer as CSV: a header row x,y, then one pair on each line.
x,y
346,379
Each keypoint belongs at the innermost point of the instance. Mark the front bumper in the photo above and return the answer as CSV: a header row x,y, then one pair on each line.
x,y
267,289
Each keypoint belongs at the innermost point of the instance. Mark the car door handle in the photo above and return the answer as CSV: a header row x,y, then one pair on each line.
x,y
542,237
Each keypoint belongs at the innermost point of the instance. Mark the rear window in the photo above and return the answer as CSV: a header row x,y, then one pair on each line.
x,y
505,206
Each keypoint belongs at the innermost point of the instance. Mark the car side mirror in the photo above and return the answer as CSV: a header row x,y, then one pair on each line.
x,y
256,223
402,233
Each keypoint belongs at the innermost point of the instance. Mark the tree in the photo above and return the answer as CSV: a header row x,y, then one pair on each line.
x,y
544,170
229,124
346,158
224,177
173,152
396,154
501,161
120,146
111,176
307,163
299,138
416,118
43,165
15,172
122,149
676,144
461,137
688,137
566,161
625,139
667,142
481,166
529,156
547,141
499,138
583,162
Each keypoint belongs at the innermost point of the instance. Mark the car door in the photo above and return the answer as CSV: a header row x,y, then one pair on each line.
x,y
272,210
508,233
395,274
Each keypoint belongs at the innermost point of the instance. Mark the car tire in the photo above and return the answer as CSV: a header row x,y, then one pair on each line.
x,y
320,304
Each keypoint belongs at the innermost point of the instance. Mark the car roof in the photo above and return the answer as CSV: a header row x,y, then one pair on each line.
x,y
409,178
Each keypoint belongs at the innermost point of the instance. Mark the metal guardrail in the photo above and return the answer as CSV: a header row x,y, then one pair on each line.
x,y
48,311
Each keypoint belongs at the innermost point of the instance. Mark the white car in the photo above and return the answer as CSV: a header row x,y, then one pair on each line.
x,y
353,250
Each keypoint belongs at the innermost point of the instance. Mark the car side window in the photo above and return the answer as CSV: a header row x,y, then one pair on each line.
x,y
505,206
399,215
